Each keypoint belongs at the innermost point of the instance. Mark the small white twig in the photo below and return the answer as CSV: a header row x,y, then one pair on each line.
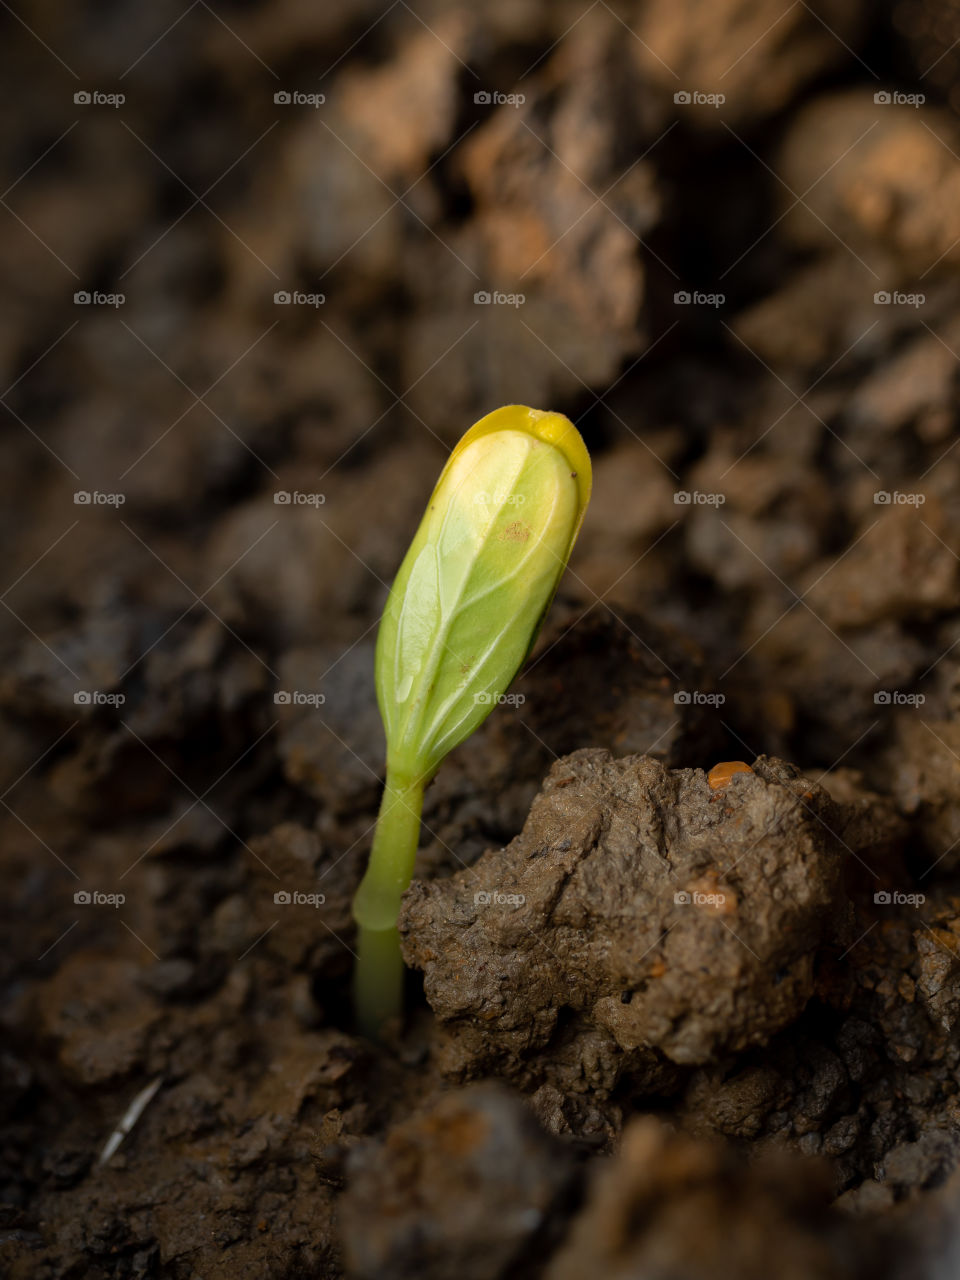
x,y
130,1118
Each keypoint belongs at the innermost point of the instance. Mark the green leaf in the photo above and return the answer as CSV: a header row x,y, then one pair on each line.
x,y
477,581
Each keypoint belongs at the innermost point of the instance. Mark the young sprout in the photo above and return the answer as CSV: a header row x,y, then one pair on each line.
x,y
461,617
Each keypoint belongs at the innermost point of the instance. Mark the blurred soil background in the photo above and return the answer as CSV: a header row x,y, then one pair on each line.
x,y
262,265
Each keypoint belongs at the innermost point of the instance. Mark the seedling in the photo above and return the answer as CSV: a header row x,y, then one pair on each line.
x,y
462,615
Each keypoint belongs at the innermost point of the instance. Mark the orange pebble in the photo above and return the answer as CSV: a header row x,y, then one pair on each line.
x,y
721,774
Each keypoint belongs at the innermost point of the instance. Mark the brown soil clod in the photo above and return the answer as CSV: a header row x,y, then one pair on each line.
x,y
627,877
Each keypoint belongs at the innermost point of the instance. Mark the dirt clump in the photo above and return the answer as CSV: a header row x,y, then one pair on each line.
x,y
641,918
467,1188
670,1205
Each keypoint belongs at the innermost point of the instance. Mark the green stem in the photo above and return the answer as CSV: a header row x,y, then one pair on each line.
x,y
378,980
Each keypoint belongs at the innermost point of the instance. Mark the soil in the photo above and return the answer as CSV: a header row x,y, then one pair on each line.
x,y
684,937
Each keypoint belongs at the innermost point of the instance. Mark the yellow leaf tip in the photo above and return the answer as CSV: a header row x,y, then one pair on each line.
x,y
546,425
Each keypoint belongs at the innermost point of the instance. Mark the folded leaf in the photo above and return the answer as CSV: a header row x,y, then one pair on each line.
x,y
477,580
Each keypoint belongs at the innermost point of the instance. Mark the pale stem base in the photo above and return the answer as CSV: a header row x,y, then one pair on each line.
x,y
378,980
